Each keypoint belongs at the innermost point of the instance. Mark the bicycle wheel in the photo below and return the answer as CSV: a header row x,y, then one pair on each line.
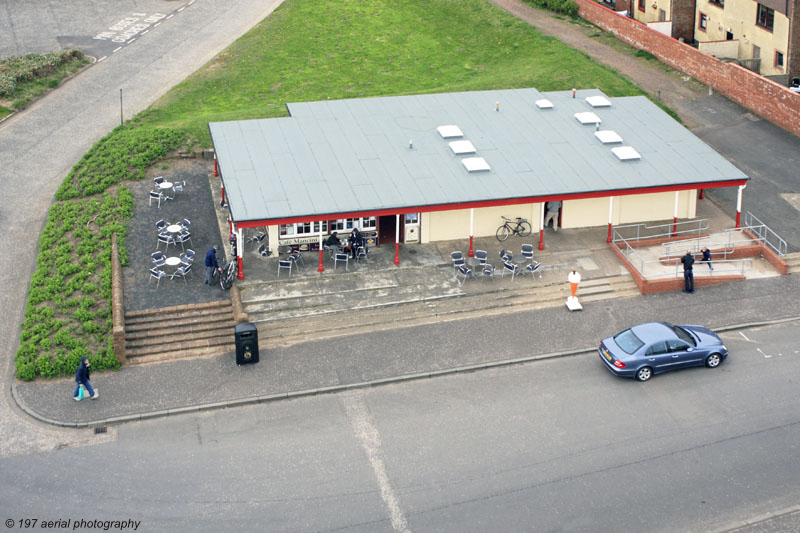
x,y
503,232
524,228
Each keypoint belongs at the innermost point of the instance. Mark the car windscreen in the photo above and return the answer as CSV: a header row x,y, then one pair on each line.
x,y
628,341
684,335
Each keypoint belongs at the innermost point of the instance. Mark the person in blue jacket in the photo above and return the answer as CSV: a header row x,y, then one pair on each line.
x,y
211,264
82,378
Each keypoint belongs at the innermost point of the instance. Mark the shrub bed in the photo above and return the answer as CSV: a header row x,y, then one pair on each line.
x,y
24,78
68,313
563,7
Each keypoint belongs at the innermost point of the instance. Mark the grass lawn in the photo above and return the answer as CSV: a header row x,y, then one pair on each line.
x,y
311,50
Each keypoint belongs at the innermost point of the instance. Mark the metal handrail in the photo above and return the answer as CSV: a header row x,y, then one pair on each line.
x,y
767,236
686,227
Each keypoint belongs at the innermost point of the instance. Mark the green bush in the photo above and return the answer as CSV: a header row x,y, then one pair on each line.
x,y
121,155
17,70
563,7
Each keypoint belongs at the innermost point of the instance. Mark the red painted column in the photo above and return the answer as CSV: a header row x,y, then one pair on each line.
x,y
216,169
397,240
674,226
239,250
610,214
609,233
541,213
471,251
320,268
739,206
222,192
702,194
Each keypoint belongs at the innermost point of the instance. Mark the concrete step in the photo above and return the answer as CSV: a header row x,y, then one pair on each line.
x,y
169,355
184,345
500,301
180,331
270,302
793,261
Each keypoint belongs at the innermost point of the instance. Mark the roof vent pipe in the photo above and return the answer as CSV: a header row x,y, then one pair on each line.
x,y
410,144
497,106
596,126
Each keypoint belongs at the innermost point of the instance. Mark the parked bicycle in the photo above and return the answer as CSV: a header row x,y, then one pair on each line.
x,y
521,227
226,275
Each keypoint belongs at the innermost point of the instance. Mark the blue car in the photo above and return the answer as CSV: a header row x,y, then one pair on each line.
x,y
647,349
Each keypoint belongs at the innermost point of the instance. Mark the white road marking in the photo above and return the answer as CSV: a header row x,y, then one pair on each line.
x,y
156,24
370,439
170,16
116,49
102,58
762,353
145,31
181,9
745,337
129,42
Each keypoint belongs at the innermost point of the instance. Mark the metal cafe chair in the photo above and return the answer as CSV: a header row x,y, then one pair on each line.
x,y
187,257
487,272
166,238
361,253
527,251
513,268
182,272
464,273
159,259
457,258
287,264
482,256
157,195
157,274
183,237
339,258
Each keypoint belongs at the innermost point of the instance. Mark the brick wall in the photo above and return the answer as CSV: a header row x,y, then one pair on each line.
x,y
763,97
117,310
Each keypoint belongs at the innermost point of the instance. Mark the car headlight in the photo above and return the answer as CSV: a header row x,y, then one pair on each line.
x,y
724,348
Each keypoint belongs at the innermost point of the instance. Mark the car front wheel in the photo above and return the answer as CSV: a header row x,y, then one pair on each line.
x,y
713,360
644,373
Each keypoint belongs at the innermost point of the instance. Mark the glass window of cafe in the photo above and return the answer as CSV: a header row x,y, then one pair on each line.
x,y
327,226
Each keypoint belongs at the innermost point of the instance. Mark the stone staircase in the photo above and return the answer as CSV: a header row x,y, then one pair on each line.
x,y
292,312
793,261
181,331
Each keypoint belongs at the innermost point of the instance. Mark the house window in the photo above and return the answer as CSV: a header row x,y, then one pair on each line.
x,y
702,23
641,5
765,17
718,3
728,36
779,60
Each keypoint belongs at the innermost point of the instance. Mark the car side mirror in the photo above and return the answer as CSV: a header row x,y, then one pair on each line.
x,y
689,349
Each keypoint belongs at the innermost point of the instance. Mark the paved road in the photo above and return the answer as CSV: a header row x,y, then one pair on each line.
x,y
40,145
555,445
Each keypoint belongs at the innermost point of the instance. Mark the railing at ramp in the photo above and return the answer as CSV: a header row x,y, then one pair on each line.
x,y
764,234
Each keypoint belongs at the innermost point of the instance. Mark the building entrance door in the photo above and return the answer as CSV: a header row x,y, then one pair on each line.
x,y
386,229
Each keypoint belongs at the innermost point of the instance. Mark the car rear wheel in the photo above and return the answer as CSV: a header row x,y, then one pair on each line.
x,y
644,373
713,360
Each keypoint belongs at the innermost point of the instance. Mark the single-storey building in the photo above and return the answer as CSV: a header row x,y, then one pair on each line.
x,y
429,167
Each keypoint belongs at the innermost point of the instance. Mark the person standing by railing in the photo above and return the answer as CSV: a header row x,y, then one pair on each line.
x,y
688,274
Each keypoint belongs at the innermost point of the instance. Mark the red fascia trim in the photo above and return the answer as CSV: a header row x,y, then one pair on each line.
x,y
490,203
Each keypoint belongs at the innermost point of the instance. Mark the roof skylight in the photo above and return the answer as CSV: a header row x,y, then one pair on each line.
x,y
475,164
462,147
450,131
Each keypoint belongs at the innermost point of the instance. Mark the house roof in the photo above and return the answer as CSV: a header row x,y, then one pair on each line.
x,y
381,154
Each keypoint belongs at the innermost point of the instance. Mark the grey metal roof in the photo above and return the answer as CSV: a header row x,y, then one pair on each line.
x,y
349,156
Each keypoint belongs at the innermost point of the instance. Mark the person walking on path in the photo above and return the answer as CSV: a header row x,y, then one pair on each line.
x,y
688,275
707,257
211,264
552,214
82,380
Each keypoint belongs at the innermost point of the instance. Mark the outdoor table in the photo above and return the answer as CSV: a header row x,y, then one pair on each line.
x,y
174,228
165,185
173,261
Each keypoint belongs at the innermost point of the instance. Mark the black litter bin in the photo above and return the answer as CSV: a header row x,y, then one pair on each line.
x,y
246,343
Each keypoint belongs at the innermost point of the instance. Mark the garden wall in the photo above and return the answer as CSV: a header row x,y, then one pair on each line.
x,y
766,98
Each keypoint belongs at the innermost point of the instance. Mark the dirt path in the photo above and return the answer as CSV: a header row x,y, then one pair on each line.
x,y
652,76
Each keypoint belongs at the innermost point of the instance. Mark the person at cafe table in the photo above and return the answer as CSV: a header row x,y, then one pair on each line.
x,y
333,241
354,242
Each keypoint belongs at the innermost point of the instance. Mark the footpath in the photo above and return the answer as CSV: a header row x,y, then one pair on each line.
x,y
438,347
